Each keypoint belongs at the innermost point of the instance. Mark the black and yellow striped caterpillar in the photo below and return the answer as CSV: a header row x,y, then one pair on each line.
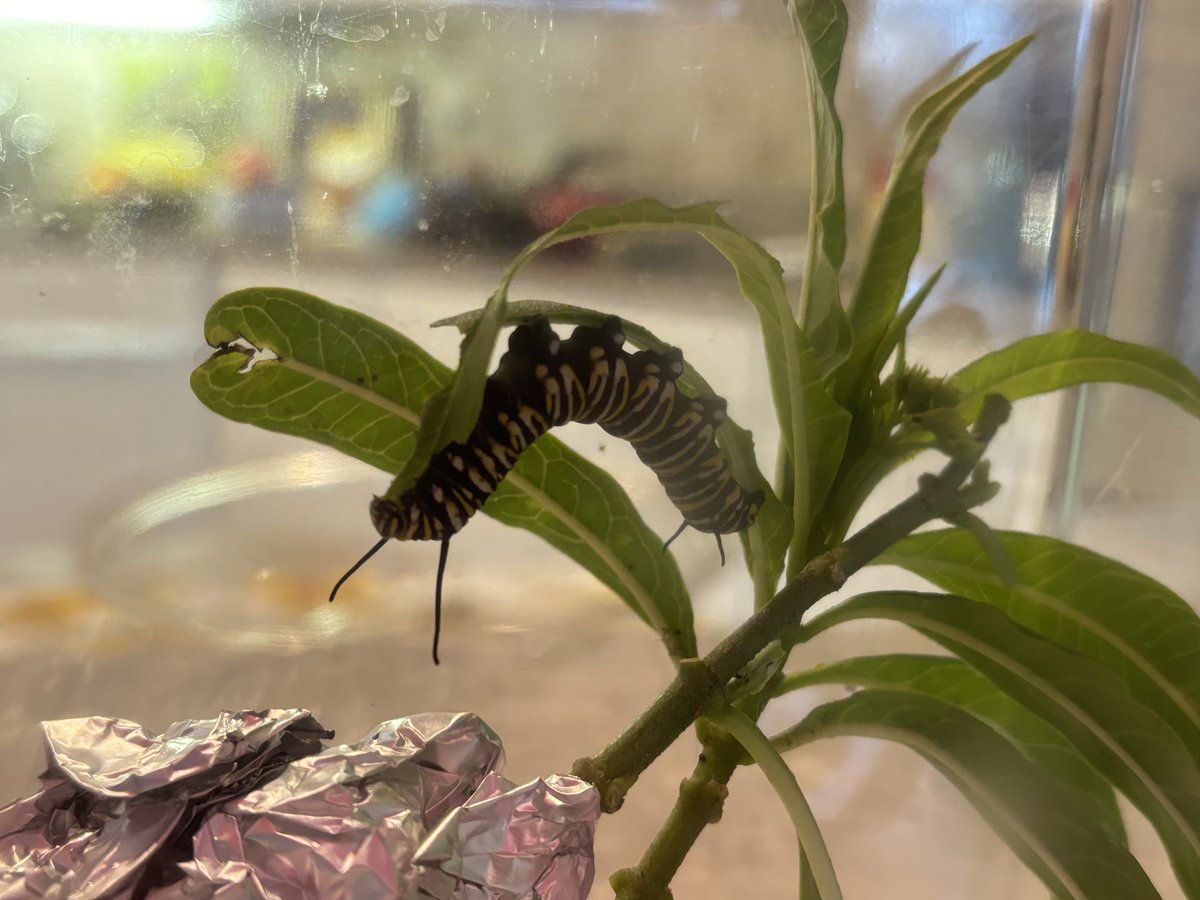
x,y
542,382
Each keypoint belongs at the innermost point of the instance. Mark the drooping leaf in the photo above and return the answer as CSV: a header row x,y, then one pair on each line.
x,y
1124,740
954,682
897,235
1090,604
813,426
759,276
577,507
519,312
1046,827
1048,362
816,868
766,542
351,383
821,26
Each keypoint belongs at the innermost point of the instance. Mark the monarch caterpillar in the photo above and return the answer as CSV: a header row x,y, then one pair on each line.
x,y
542,382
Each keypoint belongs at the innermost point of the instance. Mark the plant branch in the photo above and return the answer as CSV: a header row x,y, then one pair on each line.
x,y
700,803
700,683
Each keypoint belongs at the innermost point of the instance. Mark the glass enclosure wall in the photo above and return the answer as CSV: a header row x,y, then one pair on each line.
x,y
158,562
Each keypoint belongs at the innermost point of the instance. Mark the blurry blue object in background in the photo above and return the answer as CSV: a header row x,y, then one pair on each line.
x,y
390,206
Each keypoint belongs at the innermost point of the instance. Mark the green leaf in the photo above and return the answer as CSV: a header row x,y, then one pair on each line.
x,y
860,479
930,83
1046,826
583,511
1126,742
828,428
766,542
450,415
1048,362
816,868
897,331
951,681
990,543
897,234
354,384
342,378
821,26
1090,604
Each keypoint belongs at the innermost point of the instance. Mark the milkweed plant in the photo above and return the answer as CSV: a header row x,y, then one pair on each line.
x,y
1067,677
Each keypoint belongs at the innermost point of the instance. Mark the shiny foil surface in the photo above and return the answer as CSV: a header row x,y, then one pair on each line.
x,y
249,805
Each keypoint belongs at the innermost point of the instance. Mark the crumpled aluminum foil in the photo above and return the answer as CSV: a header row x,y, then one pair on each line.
x,y
248,805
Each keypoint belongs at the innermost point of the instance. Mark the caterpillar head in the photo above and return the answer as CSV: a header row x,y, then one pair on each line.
x,y
388,518
747,511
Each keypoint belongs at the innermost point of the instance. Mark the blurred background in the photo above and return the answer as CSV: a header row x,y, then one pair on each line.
x,y
157,562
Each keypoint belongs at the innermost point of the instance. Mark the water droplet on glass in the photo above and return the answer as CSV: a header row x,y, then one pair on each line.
x,y
349,32
317,90
423,225
8,95
433,32
187,152
400,96
32,134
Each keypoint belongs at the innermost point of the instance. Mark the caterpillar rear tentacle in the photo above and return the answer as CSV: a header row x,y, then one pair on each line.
x,y
543,381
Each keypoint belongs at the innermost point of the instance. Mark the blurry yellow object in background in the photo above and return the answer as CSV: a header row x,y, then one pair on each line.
x,y
155,161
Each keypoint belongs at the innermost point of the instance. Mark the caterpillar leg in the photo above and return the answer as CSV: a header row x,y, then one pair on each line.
x,y
678,532
721,550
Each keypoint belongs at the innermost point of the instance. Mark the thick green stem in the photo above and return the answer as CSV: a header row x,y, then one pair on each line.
x,y
700,802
